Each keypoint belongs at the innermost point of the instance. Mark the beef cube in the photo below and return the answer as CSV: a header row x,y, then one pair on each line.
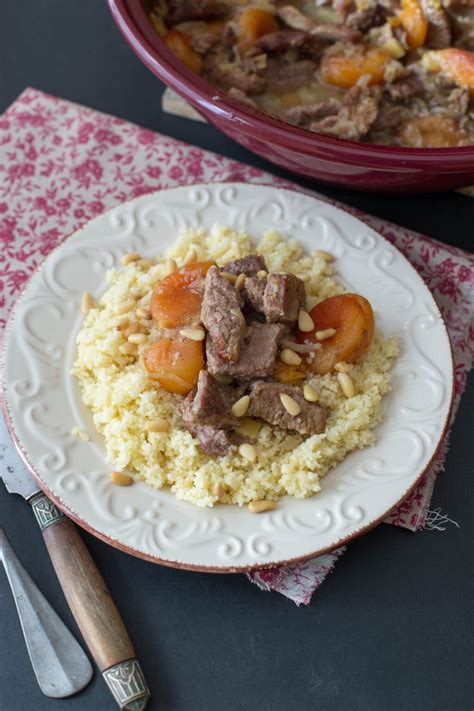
x,y
257,359
253,292
221,315
210,403
213,441
249,265
284,296
265,403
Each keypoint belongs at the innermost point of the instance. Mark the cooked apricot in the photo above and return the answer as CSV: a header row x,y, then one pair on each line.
x,y
432,132
288,374
345,70
352,317
253,23
176,300
175,363
457,64
181,45
413,22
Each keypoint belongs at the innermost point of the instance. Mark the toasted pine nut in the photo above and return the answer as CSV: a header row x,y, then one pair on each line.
x,y
127,348
138,338
223,378
289,357
146,263
132,327
129,258
305,322
125,306
310,393
327,256
248,452
347,386
291,406
143,313
122,322
218,490
87,303
191,257
262,274
120,479
230,277
171,266
239,282
240,406
159,425
326,333
236,249
194,334
261,506
343,367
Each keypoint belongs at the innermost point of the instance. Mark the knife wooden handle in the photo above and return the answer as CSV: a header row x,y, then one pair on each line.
x,y
91,604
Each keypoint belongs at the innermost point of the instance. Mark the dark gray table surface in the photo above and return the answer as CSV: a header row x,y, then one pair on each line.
x,y
391,629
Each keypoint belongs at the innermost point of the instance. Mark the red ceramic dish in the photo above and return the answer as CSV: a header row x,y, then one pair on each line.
x,y
356,165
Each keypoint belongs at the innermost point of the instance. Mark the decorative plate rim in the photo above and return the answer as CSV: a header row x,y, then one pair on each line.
x,y
169,562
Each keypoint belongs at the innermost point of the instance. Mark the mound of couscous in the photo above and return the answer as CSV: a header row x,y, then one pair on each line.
x,y
124,403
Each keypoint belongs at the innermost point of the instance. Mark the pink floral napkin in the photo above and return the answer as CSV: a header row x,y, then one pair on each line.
x,y
61,164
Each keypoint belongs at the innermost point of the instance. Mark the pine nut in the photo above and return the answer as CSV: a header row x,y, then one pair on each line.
x,y
125,306
143,313
87,303
310,393
239,282
347,386
289,357
129,258
248,452
159,425
248,427
127,348
138,338
223,378
122,322
218,490
120,479
262,274
261,506
305,322
194,334
343,367
327,256
190,258
230,277
133,327
290,405
236,249
146,263
326,333
171,266
240,407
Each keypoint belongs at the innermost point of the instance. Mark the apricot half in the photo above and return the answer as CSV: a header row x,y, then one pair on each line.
x,y
175,363
345,70
254,22
177,299
352,317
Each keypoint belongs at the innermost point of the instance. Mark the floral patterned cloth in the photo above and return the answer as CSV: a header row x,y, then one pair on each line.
x,y
63,164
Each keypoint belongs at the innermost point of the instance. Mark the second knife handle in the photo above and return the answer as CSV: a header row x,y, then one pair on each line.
x,y
92,605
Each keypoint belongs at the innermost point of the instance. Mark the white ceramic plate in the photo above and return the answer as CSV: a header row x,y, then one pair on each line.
x,y
43,403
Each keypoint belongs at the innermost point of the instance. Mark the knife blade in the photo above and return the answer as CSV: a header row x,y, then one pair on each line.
x,y
83,586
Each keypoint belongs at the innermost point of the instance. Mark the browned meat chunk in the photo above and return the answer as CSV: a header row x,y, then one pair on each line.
x,y
364,20
401,89
258,355
295,19
265,403
300,115
209,403
282,40
213,441
253,293
284,296
249,265
221,315
335,33
439,28
359,110
227,73
286,77
196,10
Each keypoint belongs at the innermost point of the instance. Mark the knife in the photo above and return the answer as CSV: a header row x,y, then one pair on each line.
x,y
83,586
